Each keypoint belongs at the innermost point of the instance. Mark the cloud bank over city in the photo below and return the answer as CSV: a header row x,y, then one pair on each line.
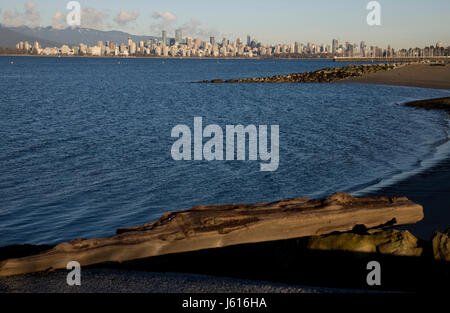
x,y
405,23
28,16
96,19
124,17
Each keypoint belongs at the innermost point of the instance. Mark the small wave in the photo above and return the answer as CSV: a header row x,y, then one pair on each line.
x,y
440,151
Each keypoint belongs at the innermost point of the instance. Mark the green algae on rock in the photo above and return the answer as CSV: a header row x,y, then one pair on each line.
x,y
391,242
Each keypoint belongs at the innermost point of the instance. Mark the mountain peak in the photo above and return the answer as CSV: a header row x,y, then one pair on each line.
x,y
69,35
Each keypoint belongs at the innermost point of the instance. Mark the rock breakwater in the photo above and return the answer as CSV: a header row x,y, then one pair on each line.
x,y
327,75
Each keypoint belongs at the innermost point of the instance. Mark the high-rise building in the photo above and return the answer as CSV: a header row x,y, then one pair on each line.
x,y
212,41
335,46
197,43
164,37
362,48
178,36
83,48
132,48
189,42
249,40
36,46
130,41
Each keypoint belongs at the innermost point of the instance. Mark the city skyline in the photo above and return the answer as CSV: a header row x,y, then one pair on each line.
x,y
404,23
195,47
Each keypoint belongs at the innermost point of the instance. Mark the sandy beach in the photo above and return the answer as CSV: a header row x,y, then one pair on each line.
x,y
415,75
430,188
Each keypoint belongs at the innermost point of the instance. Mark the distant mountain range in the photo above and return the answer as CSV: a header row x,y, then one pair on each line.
x,y
48,36
9,38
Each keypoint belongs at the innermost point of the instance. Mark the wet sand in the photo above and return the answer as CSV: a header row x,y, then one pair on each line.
x,y
431,189
416,75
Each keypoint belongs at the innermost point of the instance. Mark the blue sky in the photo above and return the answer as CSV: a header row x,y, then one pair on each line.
x,y
404,23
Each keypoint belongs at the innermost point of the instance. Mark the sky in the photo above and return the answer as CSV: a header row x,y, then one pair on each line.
x,y
404,23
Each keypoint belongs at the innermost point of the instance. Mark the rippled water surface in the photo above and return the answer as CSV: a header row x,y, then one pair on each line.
x,y
85,143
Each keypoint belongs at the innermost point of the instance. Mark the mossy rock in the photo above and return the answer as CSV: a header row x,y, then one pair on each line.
x,y
392,242
441,246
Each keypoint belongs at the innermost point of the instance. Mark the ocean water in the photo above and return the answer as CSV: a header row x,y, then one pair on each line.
x,y
85,144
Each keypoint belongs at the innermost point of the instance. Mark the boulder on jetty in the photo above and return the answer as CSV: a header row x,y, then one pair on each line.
x,y
327,75
441,246
390,242
215,226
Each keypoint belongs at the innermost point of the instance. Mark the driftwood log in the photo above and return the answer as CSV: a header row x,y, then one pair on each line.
x,y
207,227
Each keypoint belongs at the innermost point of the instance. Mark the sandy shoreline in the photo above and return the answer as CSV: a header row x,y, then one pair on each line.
x,y
415,75
431,187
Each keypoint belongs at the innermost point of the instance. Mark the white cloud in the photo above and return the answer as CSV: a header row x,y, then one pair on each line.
x,y
123,18
29,6
59,20
91,18
195,28
29,17
165,16
164,21
12,18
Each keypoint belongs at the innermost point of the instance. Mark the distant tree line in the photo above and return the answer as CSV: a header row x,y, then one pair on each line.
x,y
11,51
298,56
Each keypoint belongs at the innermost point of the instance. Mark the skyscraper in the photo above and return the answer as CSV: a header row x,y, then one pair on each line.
x,y
197,43
362,48
212,41
249,40
189,42
164,37
178,35
335,46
